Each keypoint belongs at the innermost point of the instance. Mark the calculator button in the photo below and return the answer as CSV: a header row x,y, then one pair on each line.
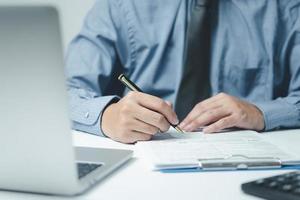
x,y
273,184
260,181
288,175
287,187
297,190
280,179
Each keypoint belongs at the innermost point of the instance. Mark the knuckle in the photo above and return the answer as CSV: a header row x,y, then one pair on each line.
x,y
216,126
146,137
241,113
194,124
228,97
233,106
125,123
198,121
198,107
165,128
211,114
161,105
233,100
122,122
152,130
235,119
235,110
224,122
169,103
160,119
222,94
131,95
125,109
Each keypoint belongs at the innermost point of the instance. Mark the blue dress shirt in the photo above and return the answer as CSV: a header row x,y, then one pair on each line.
x,y
255,55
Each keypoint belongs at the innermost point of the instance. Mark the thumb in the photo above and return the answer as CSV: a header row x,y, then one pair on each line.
x,y
169,103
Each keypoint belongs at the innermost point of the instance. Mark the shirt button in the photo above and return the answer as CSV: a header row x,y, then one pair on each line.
x,y
87,115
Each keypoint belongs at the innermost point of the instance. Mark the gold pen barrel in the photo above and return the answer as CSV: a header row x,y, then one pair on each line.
x,y
129,83
178,129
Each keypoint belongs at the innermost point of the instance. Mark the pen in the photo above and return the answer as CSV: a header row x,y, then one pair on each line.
x,y
129,84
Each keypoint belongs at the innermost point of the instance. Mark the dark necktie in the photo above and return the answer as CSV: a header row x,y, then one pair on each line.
x,y
195,83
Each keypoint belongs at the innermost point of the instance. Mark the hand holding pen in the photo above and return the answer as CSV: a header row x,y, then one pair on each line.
x,y
129,84
137,117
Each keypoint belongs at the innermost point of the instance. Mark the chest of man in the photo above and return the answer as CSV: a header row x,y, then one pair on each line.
x,y
245,46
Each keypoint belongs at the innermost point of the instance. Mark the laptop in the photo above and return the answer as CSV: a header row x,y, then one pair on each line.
x,y
36,149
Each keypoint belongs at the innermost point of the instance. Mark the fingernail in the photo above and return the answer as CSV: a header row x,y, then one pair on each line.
x,y
169,103
207,130
176,120
188,128
182,125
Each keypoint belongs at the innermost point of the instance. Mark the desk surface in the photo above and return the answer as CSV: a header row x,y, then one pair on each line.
x,y
136,181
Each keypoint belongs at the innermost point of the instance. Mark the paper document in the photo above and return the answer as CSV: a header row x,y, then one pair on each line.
x,y
187,151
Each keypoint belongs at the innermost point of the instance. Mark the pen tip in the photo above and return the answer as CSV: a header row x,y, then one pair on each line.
x,y
179,129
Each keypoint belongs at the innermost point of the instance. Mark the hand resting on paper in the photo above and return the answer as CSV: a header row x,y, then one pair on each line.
x,y
221,112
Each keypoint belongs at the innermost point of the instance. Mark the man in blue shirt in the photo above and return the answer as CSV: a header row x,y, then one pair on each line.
x,y
254,72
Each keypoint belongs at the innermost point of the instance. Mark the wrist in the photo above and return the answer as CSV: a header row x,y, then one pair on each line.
x,y
105,122
106,119
260,121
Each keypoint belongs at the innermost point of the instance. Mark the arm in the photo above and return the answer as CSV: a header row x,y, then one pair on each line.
x,y
90,63
284,112
223,111
92,75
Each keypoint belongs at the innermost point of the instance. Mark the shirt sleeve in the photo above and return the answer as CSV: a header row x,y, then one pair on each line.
x,y
284,112
90,62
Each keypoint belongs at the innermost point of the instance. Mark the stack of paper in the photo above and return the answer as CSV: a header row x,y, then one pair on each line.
x,y
193,150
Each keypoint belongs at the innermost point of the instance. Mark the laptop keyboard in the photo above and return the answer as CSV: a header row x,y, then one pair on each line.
x,y
86,168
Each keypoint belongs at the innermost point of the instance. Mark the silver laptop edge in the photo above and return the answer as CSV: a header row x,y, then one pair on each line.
x,y
36,142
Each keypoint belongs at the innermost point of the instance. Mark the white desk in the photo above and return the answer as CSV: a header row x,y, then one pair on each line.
x,y
136,181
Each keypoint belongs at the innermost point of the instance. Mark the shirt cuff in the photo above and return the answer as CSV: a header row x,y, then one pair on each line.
x,y
278,114
87,116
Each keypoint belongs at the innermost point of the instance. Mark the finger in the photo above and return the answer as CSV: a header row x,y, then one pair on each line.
x,y
169,103
199,109
207,118
227,122
203,106
143,127
136,136
158,105
152,118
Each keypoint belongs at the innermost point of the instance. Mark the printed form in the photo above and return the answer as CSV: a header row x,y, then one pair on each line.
x,y
175,150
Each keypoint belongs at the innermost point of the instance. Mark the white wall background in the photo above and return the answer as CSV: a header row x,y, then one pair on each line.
x,y
72,13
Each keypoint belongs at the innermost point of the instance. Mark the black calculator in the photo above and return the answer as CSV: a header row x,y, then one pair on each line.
x,y
282,187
